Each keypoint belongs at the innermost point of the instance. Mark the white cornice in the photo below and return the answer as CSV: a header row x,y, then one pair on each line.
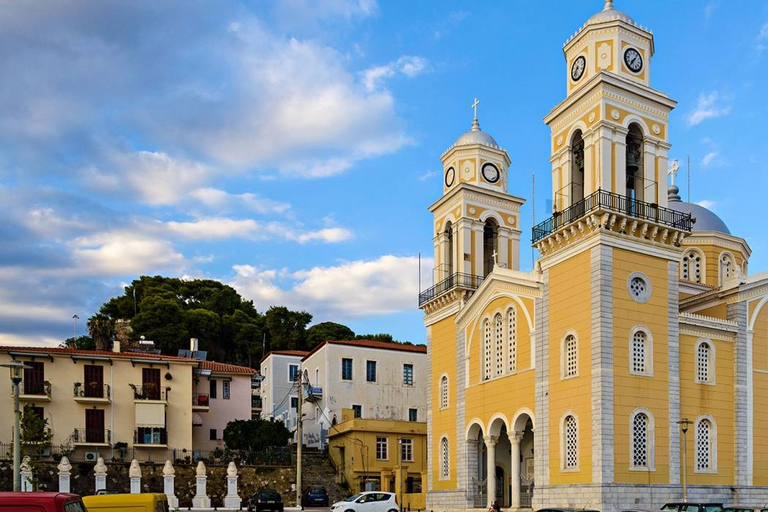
x,y
524,284
731,242
509,201
441,314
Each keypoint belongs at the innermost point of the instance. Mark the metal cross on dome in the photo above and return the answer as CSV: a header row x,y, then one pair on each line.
x,y
474,106
672,171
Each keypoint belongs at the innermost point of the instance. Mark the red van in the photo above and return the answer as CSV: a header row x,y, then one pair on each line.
x,y
41,502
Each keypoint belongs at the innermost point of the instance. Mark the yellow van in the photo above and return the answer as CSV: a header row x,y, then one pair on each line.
x,y
145,502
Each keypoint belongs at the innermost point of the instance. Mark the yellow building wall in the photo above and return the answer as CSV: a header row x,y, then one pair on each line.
x,y
717,311
760,394
716,400
443,357
712,254
570,310
635,391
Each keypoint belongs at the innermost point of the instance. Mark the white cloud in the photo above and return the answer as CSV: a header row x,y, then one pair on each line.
x,y
762,38
706,203
427,175
28,340
410,66
382,286
222,200
116,253
709,158
219,228
708,106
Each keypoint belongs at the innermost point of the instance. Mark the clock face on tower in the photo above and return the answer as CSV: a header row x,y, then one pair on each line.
x,y
450,177
578,68
633,60
491,173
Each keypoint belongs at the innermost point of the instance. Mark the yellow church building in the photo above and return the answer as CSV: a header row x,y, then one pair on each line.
x,y
631,365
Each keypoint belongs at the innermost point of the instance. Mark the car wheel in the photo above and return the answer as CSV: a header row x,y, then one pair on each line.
x,y
349,510
393,510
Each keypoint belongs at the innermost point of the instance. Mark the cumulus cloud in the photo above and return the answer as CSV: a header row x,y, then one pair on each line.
x,y
381,286
708,106
408,65
709,158
220,228
762,38
116,253
427,175
706,203
222,201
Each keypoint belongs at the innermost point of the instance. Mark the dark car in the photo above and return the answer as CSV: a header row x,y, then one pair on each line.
x,y
41,501
692,507
566,510
265,499
314,496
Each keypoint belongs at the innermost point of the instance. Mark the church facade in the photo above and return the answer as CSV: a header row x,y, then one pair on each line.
x,y
630,367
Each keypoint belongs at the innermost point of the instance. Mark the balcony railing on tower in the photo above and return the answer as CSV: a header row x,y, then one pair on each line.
x,y
608,201
457,280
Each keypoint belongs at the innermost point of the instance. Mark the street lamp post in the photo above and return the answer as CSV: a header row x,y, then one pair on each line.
x,y
16,368
684,423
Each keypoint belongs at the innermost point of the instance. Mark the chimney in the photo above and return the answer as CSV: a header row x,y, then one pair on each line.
x,y
193,344
115,346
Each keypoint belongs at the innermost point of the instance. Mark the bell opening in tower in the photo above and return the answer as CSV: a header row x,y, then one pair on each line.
x,y
490,245
577,168
634,164
448,268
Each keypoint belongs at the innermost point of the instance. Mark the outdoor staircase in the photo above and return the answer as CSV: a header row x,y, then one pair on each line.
x,y
317,469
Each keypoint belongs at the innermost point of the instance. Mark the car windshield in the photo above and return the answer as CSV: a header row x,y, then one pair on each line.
x,y
270,495
670,508
353,497
317,490
713,508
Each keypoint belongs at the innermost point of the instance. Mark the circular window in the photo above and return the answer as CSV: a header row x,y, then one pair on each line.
x,y
639,287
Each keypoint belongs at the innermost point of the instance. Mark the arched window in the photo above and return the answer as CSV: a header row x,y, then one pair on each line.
x,y
448,234
487,349
639,360
706,443
570,356
705,368
642,440
577,168
634,163
570,442
445,463
498,355
692,268
490,245
444,392
512,339
727,268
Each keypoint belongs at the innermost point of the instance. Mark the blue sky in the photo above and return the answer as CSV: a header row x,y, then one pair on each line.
x,y
292,148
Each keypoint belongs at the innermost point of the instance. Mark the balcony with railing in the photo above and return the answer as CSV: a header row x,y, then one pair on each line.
x,y
603,201
200,402
256,402
35,391
92,392
149,392
150,437
454,281
91,436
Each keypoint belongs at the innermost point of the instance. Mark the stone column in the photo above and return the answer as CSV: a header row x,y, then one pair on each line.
x,y
27,481
515,467
134,472
65,470
201,499
100,474
232,500
490,477
169,475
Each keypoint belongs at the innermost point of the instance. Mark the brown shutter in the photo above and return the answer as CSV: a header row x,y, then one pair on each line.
x,y
94,425
150,383
93,381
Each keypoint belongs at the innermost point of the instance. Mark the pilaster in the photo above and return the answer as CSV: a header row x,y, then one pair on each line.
x,y
541,425
743,394
673,343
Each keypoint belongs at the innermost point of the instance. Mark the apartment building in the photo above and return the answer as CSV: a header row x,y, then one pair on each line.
x,y
279,396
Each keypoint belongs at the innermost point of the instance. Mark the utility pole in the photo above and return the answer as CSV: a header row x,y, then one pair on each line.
x,y
299,380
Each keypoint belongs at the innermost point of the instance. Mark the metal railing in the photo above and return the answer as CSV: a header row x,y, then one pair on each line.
x,y
604,200
92,390
457,280
92,435
150,436
149,392
35,389
200,400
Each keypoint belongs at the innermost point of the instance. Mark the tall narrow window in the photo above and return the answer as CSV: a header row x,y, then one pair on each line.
x,y
382,448
704,365
34,378
293,371
225,389
498,352
727,268
490,245
487,350
346,369
640,452
634,165
406,450
570,356
639,353
408,374
370,371
512,339
570,443
212,389
445,464
444,392
413,415
357,411
704,445
448,268
577,168
691,267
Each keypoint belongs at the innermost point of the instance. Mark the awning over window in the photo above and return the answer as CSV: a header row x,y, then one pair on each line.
x,y
150,415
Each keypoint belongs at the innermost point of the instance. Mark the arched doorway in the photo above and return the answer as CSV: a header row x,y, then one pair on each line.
x,y
490,245
577,168
476,466
522,465
635,165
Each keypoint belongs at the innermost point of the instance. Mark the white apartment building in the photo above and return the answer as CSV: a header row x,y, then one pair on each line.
x,y
377,380
279,396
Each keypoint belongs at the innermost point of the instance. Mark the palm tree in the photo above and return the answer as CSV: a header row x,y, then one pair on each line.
x,y
100,327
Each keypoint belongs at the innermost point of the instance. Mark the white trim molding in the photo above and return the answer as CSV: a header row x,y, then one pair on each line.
x,y
650,440
563,443
712,444
711,363
648,351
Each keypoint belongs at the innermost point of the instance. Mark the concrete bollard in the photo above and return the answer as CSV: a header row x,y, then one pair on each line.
x,y
201,499
134,472
232,500
169,475
100,474
27,482
65,470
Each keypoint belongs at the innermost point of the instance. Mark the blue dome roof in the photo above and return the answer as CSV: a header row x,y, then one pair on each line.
x,y
705,220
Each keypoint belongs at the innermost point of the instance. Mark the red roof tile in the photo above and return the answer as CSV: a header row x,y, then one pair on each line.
x,y
385,345
299,353
95,353
226,368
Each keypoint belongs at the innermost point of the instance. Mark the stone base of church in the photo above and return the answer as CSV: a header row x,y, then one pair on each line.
x,y
449,500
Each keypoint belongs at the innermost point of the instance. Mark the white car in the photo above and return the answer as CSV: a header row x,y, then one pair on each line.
x,y
373,501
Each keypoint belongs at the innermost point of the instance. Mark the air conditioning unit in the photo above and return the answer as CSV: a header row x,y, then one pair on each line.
x,y
91,456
